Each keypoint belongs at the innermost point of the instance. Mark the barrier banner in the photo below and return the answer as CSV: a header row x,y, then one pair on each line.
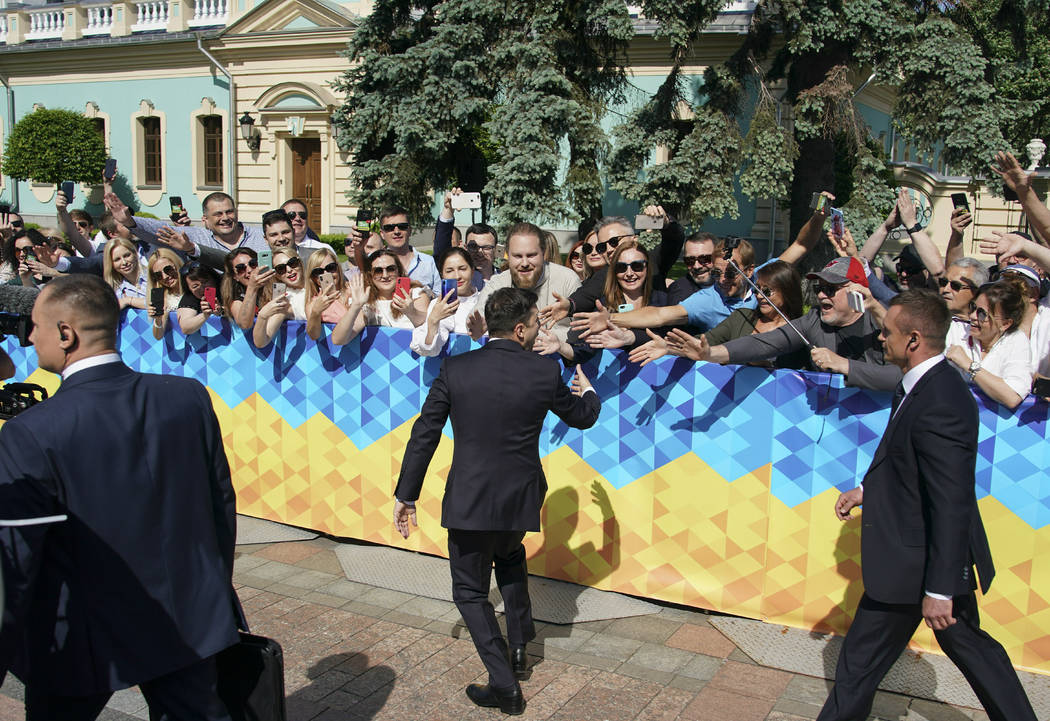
x,y
703,485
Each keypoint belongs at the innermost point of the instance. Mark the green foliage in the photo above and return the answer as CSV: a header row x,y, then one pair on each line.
x,y
52,146
769,153
871,194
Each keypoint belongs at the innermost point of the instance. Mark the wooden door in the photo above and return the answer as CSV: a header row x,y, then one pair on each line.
x,y
306,177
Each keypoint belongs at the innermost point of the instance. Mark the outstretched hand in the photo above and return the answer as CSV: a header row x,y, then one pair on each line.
x,y
580,383
551,314
683,345
587,323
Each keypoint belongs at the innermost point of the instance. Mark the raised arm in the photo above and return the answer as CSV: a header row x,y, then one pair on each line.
x,y
927,251
809,234
353,322
1015,177
79,241
873,244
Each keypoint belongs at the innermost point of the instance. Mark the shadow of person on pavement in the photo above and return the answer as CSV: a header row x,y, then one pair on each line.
x,y
345,683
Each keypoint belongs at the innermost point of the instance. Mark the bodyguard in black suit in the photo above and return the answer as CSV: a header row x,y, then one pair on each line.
x,y
135,586
497,397
922,532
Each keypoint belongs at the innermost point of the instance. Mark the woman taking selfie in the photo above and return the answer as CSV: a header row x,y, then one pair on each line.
x,y
373,300
245,286
122,270
196,307
164,274
289,297
326,291
449,313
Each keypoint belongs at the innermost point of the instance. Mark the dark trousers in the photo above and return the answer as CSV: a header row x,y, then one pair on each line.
x,y
472,556
879,634
185,695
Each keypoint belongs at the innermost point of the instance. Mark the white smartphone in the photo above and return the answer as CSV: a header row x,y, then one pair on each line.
x,y
856,301
648,222
279,289
466,200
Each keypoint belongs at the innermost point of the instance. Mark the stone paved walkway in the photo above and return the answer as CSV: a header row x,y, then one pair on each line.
x,y
359,652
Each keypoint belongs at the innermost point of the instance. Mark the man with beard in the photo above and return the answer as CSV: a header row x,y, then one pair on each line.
x,y
699,260
527,270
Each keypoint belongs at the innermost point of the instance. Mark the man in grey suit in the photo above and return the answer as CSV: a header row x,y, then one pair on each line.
x,y
495,487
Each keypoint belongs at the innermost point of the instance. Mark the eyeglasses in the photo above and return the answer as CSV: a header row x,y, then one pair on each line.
x,y
829,289
575,255
983,316
241,267
318,272
472,246
691,260
957,285
23,250
81,223
766,290
636,265
168,270
18,224
387,227
600,248
293,214
291,264
384,269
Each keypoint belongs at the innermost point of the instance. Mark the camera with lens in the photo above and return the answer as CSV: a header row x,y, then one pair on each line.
x,y
16,397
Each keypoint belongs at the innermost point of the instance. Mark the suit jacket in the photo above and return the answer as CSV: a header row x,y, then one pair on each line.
x,y
498,397
137,583
921,529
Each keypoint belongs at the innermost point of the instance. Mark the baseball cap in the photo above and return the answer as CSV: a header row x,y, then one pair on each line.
x,y
1027,274
842,270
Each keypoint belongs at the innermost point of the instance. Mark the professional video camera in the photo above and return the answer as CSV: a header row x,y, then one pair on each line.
x,y
16,397
16,324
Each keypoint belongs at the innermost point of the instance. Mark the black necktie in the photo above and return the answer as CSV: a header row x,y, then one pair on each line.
x,y
898,396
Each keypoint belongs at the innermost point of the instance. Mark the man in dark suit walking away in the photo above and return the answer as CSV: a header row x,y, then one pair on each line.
x,y
496,486
922,533
134,587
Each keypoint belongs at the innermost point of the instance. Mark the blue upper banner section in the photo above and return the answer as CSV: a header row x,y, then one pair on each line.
x,y
815,433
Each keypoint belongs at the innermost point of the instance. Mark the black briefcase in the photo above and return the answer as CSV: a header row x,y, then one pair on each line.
x,y
251,679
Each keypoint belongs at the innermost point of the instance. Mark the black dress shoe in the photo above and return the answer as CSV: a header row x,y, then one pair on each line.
x,y
519,661
512,703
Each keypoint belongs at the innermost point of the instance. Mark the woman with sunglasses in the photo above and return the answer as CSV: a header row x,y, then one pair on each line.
x,y
122,270
17,251
164,266
291,304
245,287
594,256
574,261
995,355
445,316
374,302
326,292
194,309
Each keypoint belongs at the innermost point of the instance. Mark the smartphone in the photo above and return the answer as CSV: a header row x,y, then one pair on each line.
x,y
30,255
447,285
363,224
279,289
855,300
156,299
177,208
209,295
466,200
818,201
959,200
838,223
648,222
1041,388
265,259
625,308
67,190
111,170
404,287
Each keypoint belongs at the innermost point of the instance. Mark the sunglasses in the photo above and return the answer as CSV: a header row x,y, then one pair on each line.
x,y
957,285
471,245
766,289
600,248
829,289
81,223
636,265
168,270
384,269
241,267
575,255
291,264
293,214
691,260
387,227
18,224
23,250
318,272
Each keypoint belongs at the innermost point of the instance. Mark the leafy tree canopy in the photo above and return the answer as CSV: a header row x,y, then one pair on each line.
x,y
52,146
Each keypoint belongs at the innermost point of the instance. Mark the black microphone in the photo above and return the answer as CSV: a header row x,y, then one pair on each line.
x,y
16,306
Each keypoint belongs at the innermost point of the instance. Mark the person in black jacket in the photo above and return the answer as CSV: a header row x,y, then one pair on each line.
x,y
922,533
496,486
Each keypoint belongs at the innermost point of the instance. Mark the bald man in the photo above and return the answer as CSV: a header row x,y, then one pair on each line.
x,y
135,587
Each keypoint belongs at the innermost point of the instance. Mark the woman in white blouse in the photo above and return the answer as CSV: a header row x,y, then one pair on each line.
x,y
995,354
447,315
122,270
376,300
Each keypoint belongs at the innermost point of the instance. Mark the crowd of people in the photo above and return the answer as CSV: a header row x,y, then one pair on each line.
x,y
609,292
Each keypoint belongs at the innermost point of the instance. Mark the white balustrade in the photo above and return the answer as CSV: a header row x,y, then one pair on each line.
x,y
99,21
3,29
151,15
46,24
210,12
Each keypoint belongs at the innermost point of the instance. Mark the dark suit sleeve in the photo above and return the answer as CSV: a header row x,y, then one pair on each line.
x,y
874,376
90,264
945,441
592,290
672,238
215,258
223,497
576,411
443,236
426,434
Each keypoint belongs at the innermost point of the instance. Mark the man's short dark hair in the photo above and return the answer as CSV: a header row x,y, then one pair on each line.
x,y
215,197
82,215
288,202
271,217
390,211
528,229
91,298
505,309
481,229
924,311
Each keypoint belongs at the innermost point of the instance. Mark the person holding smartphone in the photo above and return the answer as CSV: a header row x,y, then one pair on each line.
x,y
288,299
375,299
196,305
165,284
245,286
327,296
449,313
122,270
